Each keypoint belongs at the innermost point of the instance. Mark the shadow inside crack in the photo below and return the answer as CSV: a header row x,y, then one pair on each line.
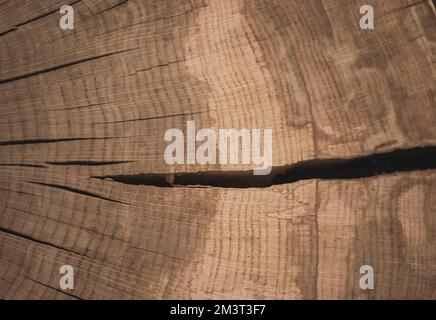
x,y
328,169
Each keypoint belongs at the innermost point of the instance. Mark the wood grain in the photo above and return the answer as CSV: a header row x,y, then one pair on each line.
x,y
109,89
97,100
298,241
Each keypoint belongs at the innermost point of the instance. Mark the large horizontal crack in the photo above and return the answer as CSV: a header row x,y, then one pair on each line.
x,y
355,168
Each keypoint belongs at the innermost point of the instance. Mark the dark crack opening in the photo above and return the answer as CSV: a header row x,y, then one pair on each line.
x,y
329,169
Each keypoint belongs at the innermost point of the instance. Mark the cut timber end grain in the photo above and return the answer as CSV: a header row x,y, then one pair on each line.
x,y
96,101
133,71
299,241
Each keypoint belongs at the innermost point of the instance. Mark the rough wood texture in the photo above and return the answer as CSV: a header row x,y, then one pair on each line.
x,y
96,101
303,240
108,90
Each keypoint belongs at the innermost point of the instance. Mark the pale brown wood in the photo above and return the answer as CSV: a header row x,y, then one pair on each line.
x,y
97,100
327,88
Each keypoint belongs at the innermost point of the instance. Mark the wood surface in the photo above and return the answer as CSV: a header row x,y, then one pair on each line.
x,y
305,240
96,101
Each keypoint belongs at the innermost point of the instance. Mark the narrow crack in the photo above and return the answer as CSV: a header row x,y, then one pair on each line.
x,y
157,66
58,67
110,8
55,289
34,19
22,165
16,191
86,163
154,118
37,241
329,169
38,141
74,190
412,5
